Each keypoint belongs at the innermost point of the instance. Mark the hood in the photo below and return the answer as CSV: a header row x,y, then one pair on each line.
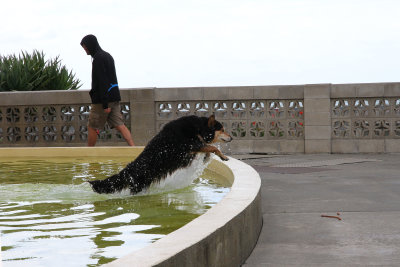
x,y
90,41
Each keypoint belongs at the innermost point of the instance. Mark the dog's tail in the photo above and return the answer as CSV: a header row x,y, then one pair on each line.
x,y
109,185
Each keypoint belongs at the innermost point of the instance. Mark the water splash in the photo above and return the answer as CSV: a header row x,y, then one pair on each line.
x,y
182,177
225,148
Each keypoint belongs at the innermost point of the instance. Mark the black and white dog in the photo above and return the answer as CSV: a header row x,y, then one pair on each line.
x,y
174,147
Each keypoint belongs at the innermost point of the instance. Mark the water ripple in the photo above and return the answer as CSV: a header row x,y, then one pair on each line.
x,y
49,214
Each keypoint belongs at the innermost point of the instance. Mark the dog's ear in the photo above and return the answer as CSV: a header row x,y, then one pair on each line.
x,y
211,121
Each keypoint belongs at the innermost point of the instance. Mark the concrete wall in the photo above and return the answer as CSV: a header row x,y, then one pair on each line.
x,y
365,118
316,118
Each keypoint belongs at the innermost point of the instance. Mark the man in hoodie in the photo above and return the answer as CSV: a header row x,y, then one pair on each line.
x,y
104,94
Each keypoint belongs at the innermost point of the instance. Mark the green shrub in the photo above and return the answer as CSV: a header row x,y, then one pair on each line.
x,y
33,73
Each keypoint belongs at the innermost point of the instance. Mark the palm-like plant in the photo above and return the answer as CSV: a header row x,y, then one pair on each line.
x,y
31,72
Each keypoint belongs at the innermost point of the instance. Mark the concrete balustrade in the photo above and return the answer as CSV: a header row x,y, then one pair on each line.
x,y
315,118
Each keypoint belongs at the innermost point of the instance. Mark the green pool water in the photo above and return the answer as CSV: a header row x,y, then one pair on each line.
x,y
49,215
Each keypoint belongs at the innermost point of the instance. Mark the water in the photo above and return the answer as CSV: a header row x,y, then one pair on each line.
x,y
50,215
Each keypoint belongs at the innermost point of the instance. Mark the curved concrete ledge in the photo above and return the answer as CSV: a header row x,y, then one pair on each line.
x,y
224,236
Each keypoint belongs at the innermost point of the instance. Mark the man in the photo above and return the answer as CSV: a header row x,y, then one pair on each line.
x,y
104,94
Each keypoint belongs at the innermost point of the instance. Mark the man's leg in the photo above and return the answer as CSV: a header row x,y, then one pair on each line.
x,y
125,133
97,119
92,136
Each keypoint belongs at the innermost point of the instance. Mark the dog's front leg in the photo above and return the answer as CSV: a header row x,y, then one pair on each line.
x,y
213,149
206,157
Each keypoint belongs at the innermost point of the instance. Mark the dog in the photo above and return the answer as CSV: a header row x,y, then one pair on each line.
x,y
174,147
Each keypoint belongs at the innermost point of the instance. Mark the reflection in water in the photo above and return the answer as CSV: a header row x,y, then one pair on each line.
x,y
49,215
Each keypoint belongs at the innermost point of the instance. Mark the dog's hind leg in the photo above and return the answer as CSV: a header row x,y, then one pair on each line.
x,y
109,185
216,151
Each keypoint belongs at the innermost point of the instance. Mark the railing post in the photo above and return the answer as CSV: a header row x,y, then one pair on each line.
x,y
143,115
317,118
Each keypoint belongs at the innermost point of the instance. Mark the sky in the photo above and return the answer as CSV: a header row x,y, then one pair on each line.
x,y
195,43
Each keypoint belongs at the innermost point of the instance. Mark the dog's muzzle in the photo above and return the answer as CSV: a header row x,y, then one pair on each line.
x,y
226,138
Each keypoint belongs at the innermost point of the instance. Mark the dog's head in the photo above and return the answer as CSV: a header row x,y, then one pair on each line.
x,y
215,132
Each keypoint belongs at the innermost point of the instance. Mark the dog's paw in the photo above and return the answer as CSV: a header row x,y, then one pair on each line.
x,y
224,158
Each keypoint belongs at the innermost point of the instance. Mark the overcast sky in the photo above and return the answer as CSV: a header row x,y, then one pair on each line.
x,y
175,43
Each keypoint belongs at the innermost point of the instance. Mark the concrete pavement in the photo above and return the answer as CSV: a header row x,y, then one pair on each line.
x,y
298,189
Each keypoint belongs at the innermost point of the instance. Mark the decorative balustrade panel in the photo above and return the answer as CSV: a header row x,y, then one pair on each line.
x,y
366,118
243,119
52,125
360,118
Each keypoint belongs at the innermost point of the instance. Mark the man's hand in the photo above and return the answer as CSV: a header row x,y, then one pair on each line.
x,y
107,110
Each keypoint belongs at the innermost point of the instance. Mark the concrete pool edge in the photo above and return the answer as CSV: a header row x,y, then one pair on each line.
x,y
224,236
70,151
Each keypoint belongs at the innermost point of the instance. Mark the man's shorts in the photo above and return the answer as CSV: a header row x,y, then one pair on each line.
x,y
98,118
